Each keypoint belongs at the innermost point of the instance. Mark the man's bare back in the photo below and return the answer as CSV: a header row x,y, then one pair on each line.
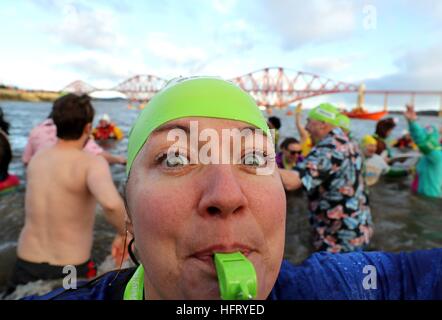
x,y
63,186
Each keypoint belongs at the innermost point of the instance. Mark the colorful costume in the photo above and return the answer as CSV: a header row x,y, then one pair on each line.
x,y
110,131
332,176
428,178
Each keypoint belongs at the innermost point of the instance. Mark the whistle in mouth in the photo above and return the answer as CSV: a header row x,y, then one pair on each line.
x,y
236,276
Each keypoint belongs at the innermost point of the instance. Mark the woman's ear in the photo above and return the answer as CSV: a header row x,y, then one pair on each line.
x,y
129,227
129,224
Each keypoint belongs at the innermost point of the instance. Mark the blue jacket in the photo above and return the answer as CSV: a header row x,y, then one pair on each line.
x,y
415,275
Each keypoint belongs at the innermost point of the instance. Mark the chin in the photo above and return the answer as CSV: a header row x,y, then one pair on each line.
x,y
202,291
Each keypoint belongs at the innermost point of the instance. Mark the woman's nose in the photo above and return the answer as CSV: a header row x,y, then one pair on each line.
x,y
222,192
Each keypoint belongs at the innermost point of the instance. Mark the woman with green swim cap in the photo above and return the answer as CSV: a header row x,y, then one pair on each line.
x,y
183,214
192,211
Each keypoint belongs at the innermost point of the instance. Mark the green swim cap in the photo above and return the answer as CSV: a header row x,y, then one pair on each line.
x,y
431,140
344,121
325,112
193,97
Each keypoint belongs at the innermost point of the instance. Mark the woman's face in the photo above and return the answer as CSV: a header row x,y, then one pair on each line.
x,y
292,152
181,214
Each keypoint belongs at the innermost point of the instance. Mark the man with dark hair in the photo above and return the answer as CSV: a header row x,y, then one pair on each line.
x,y
44,135
71,114
275,123
384,128
64,184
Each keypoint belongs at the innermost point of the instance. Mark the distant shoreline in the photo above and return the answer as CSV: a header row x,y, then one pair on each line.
x,y
421,113
13,94
28,95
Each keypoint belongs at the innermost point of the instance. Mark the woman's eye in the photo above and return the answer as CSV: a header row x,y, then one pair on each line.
x,y
175,160
254,159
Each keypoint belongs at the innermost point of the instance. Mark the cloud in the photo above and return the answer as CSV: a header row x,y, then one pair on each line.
x,y
417,70
84,26
237,36
29,74
429,8
90,28
117,5
101,69
300,22
224,6
161,46
325,66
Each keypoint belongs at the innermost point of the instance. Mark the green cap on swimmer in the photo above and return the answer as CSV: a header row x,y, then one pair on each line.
x,y
325,112
236,276
344,122
193,97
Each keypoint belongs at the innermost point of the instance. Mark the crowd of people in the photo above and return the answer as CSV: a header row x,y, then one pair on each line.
x,y
176,214
377,150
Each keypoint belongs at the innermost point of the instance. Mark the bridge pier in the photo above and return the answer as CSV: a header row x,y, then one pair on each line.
x,y
440,107
412,99
385,101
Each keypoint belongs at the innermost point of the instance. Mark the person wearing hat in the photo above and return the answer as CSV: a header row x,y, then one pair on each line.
x,y
196,225
106,129
428,178
44,135
344,123
405,142
374,164
331,175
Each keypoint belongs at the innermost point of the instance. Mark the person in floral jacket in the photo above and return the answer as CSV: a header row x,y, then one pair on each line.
x,y
331,175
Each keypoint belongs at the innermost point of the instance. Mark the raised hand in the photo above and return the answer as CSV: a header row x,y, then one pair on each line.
x,y
298,108
410,114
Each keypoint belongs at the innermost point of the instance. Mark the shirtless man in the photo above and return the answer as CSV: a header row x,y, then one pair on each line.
x,y
44,135
63,185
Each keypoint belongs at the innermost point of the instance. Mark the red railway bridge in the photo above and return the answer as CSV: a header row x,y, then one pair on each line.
x,y
271,87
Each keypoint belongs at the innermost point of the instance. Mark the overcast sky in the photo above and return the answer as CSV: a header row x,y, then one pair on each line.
x,y
393,44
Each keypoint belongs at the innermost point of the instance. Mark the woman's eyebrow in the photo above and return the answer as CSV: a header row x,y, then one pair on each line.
x,y
186,129
168,127
251,130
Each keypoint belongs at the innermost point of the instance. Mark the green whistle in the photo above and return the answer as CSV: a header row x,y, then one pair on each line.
x,y
236,276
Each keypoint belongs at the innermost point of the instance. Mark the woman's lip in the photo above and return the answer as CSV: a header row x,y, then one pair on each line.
x,y
205,258
209,252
